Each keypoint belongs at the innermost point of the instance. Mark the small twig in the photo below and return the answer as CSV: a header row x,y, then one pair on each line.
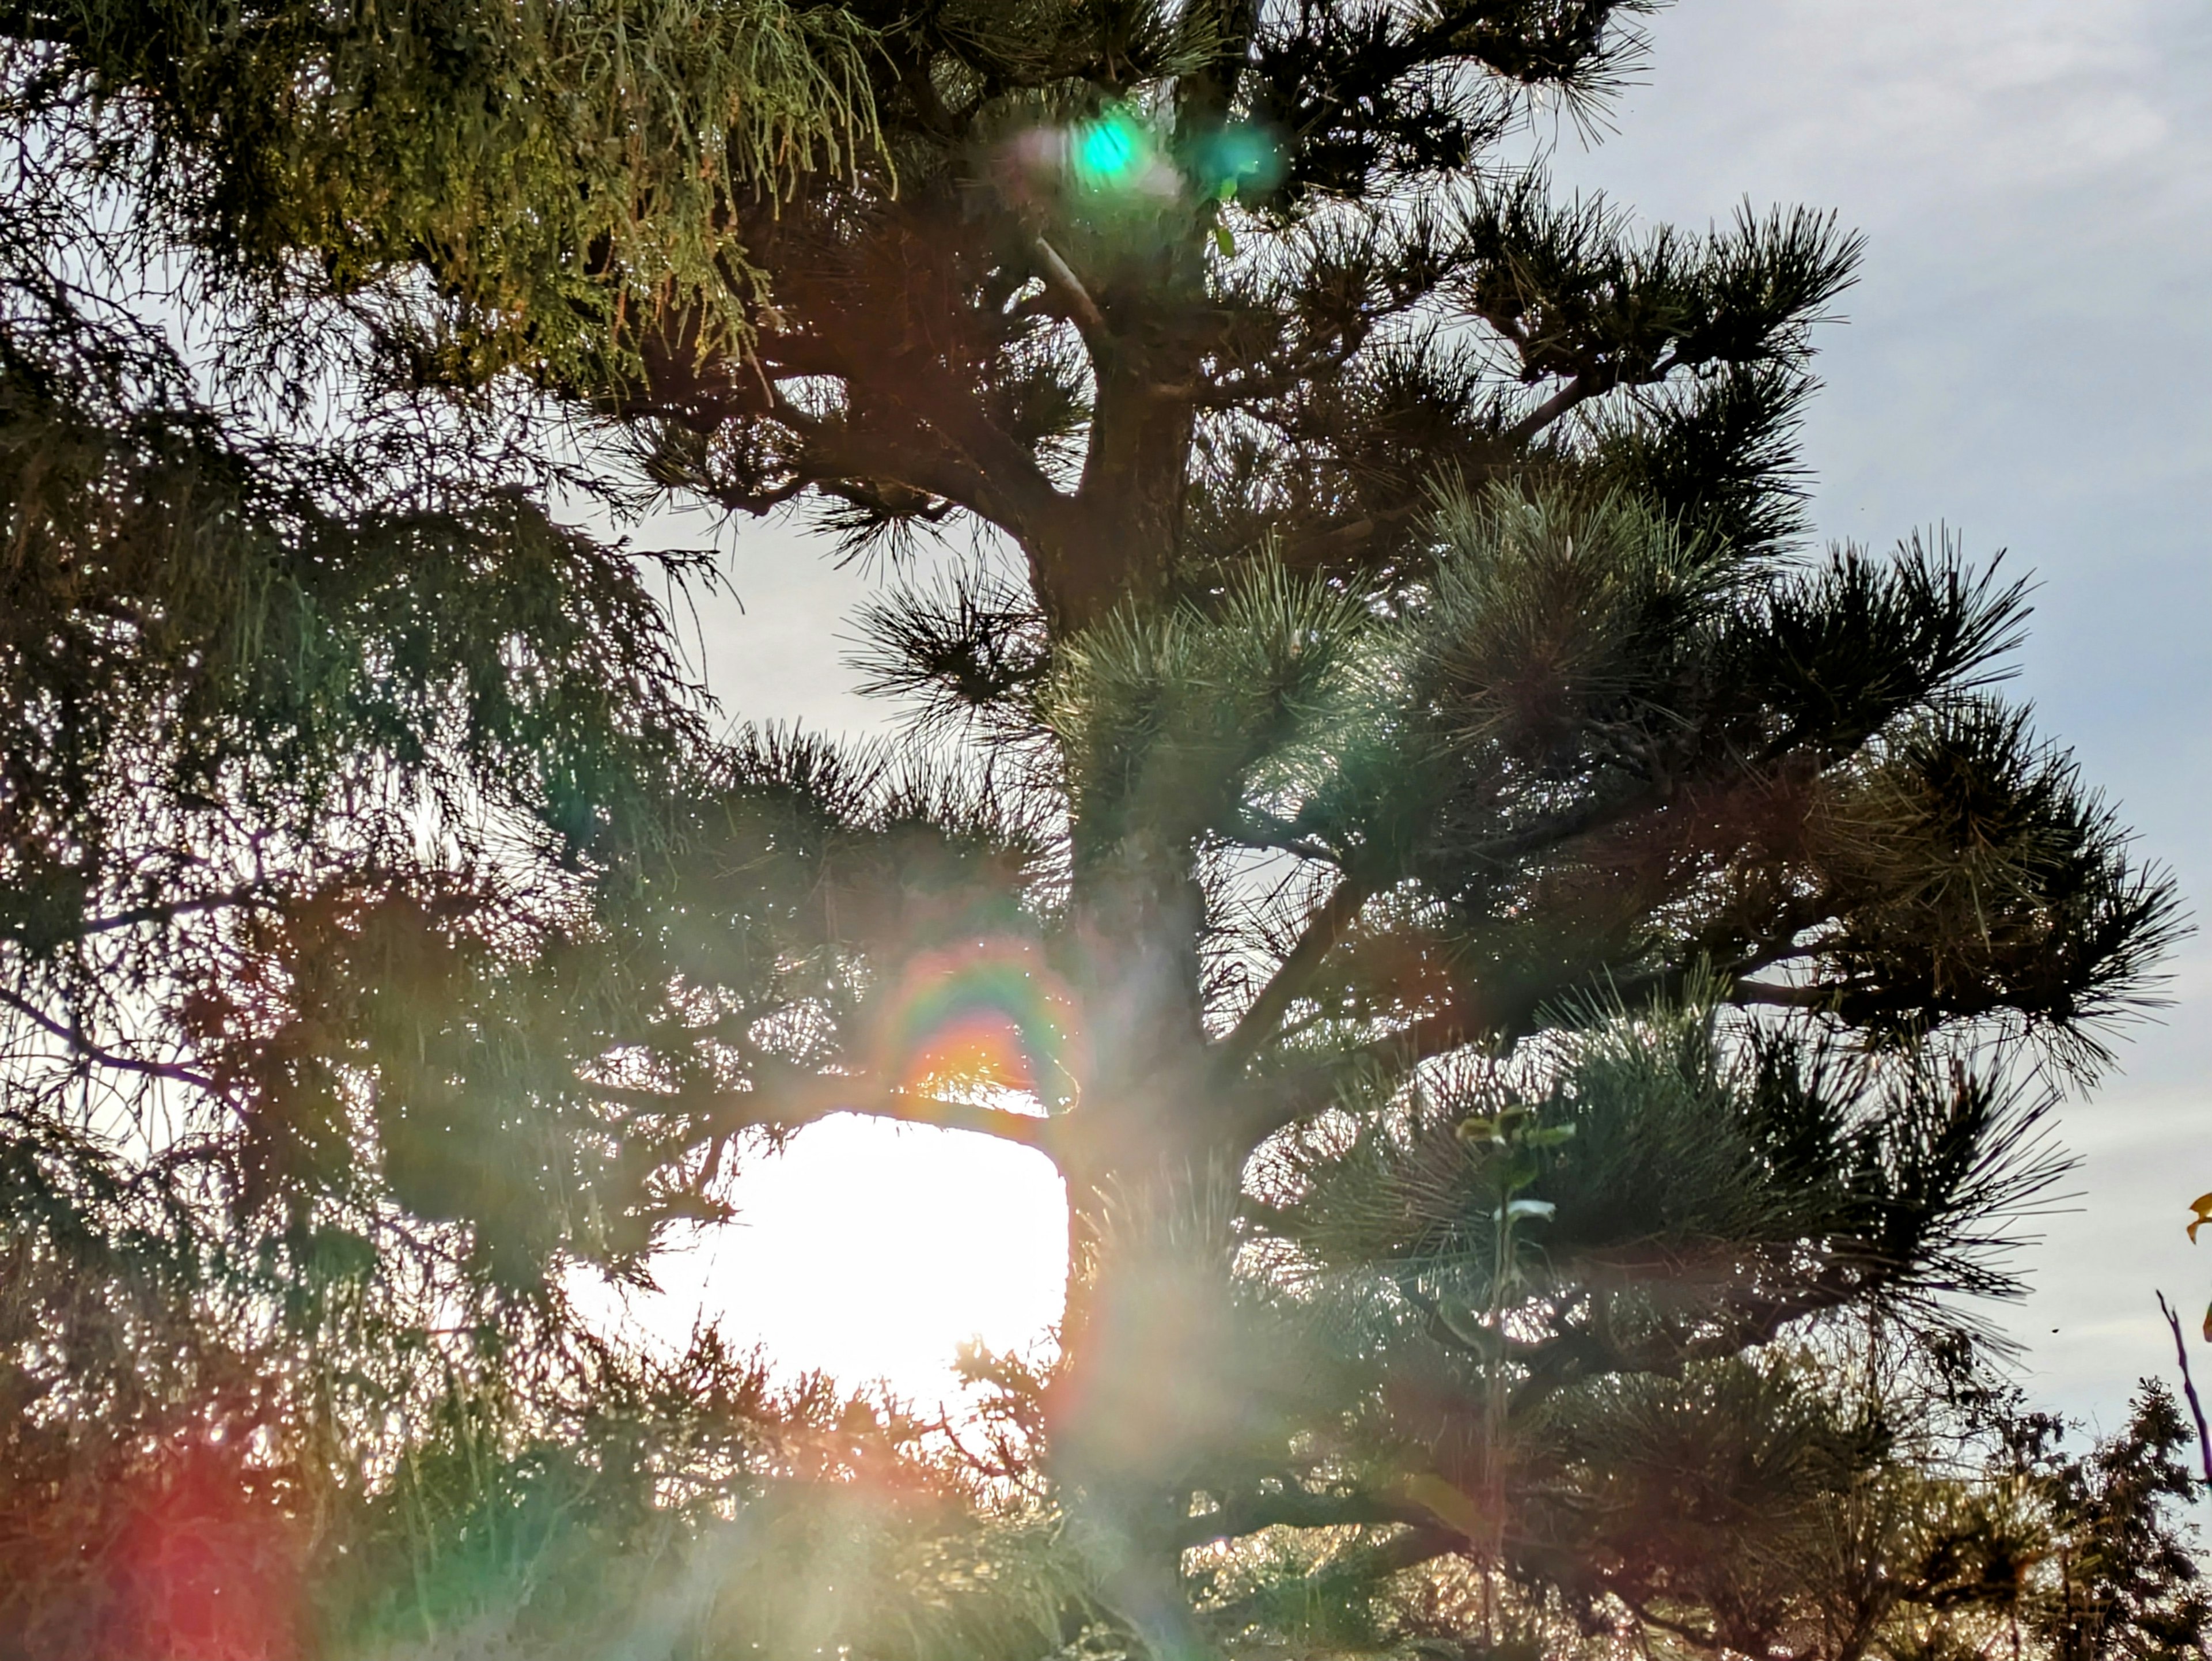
x,y
2189,1387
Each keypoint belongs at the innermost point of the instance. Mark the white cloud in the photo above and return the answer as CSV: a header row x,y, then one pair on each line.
x,y
1969,102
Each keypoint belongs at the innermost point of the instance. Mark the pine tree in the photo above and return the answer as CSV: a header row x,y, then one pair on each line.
x,y
1536,983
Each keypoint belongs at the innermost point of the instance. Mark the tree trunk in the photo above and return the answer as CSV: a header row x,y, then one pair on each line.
x,y
1139,1158
1128,1418
1121,535
1128,1415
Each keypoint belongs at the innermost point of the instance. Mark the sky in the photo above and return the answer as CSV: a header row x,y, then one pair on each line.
x,y
2026,361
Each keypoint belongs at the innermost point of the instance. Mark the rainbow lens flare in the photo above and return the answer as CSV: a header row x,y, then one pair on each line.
x,y
990,1013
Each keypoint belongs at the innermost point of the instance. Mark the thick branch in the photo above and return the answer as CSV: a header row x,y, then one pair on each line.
x,y
1554,831
1494,1012
1414,1547
810,1100
1269,1104
1575,1354
1323,930
1082,310
949,448
1294,1508
169,912
1573,392
1274,1102
1780,996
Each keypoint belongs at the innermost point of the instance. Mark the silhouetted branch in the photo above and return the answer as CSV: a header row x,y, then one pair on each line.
x,y
85,1050
1323,930
1060,278
808,1101
1296,1508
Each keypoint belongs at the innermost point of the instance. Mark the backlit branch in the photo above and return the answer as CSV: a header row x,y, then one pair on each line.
x,y
85,1050
1293,1507
808,1100
1082,310
1323,930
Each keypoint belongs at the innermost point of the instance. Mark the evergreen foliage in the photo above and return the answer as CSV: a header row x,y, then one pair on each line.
x,y
1546,995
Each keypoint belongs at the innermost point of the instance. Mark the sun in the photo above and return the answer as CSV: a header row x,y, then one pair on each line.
x,y
872,1251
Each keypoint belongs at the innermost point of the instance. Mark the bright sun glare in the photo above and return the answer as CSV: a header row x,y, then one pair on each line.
x,y
872,1251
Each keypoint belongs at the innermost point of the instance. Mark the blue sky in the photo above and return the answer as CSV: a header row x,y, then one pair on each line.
x,y
2027,360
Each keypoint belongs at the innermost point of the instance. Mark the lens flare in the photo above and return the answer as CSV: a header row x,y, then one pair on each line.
x,y
206,1565
991,1013
1240,160
1109,153
1118,161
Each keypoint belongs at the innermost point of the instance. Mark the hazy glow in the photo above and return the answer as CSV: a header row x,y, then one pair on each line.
x,y
1241,158
873,1250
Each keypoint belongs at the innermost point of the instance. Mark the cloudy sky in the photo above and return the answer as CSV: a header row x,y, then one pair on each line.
x,y
2027,360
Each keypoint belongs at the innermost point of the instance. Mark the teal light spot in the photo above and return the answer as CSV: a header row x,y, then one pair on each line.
x,y
1240,160
1108,153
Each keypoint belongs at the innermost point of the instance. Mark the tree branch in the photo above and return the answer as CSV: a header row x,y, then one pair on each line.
x,y
810,1100
1272,1102
168,913
1573,392
1323,930
951,448
1269,1103
84,1049
1556,831
1703,1639
1780,996
2189,1387
843,462
1294,1508
1574,1354
1419,1544
1082,310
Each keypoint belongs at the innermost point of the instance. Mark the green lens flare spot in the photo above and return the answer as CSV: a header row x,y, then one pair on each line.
x,y
1240,160
1109,153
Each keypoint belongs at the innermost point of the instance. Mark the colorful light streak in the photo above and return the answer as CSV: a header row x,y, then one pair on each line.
x,y
990,1012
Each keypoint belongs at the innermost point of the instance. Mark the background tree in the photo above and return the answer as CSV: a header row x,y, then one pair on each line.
x,y
1533,983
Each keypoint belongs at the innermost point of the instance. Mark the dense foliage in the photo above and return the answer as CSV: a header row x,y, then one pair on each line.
x,y
1543,991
